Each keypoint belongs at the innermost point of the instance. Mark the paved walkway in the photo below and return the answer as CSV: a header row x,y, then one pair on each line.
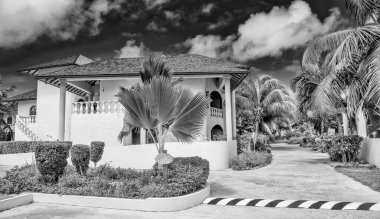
x,y
295,173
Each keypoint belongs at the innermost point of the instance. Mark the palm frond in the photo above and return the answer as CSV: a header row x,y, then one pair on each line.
x,y
361,10
154,67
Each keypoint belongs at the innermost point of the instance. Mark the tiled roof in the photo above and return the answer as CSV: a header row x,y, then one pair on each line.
x,y
71,60
31,95
180,65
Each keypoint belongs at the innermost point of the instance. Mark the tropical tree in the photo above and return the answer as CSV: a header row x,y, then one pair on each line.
x,y
352,66
269,103
160,106
6,107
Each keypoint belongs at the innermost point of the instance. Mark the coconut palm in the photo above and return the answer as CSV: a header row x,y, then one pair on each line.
x,y
269,101
160,106
353,63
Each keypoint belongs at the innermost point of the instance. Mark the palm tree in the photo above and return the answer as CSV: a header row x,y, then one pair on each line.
x,y
353,64
7,108
269,101
160,107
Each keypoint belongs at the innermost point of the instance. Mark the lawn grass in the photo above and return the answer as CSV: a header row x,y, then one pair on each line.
x,y
368,177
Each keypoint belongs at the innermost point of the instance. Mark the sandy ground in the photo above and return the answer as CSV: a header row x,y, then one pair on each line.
x,y
295,173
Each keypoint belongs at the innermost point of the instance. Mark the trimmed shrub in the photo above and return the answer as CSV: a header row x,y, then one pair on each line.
x,y
345,148
51,159
96,151
80,157
185,175
113,173
15,147
250,160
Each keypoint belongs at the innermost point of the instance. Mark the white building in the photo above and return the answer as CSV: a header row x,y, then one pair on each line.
x,y
76,97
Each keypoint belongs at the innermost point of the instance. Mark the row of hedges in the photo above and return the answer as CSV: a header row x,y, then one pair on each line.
x,y
251,160
186,175
339,148
15,147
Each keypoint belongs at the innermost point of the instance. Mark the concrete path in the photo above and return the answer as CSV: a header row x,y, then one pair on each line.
x,y
295,173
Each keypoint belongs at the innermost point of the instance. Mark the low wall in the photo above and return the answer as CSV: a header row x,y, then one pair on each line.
x,y
218,153
370,151
16,159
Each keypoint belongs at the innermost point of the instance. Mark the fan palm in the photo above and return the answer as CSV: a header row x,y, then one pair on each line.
x,y
159,106
269,101
352,66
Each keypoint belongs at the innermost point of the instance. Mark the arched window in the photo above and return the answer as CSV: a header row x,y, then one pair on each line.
x,y
216,131
136,136
33,110
216,100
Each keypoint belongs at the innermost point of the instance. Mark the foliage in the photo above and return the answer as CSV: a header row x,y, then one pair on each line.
x,y
7,107
245,143
263,104
15,147
250,160
97,149
80,157
345,148
186,175
51,159
160,106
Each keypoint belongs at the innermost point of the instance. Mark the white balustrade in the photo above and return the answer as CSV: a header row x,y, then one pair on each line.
x,y
22,124
215,112
93,107
28,120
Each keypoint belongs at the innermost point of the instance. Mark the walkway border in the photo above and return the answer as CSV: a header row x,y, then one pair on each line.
x,y
307,204
150,204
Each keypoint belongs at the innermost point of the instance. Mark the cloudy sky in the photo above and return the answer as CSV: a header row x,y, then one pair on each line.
x,y
266,34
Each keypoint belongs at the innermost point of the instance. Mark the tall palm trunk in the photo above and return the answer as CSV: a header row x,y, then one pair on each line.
x,y
256,134
361,123
345,123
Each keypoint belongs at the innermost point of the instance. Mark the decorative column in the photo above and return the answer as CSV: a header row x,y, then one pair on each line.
x,y
62,109
142,136
233,115
228,113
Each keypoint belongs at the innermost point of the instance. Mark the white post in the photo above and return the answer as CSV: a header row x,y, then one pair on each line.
x,y
227,93
233,115
62,109
142,136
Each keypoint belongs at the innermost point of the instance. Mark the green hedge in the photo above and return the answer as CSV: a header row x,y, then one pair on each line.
x,y
80,157
15,147
97,149
250,160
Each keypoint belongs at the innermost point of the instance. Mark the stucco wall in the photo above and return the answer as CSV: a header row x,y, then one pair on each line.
x,y
23,107
48,111
371,151
218,153
109,88
96,127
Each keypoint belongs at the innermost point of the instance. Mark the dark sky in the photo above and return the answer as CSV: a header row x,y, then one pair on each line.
x,y
175,21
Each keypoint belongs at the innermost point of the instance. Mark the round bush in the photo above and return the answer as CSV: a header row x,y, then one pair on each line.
x,y
51,159
80,157
97,148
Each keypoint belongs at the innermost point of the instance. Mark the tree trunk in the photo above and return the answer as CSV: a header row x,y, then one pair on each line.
x,y
361,123
322,126
345,123
340,127
256,134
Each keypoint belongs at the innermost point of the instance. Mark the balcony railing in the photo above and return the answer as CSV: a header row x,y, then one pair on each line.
x,y
28,120
215,112
93,107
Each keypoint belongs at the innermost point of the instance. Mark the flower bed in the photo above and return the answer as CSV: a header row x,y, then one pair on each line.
x,y
251,160
186,175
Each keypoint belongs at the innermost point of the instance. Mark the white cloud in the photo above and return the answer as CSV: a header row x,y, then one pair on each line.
x,y
153,26
23,21
212,46
131,49
269,34
154,3
207,8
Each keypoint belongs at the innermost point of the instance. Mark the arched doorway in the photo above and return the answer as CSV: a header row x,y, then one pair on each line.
x,y
9,120
216,131
216,100
136,136
33,113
